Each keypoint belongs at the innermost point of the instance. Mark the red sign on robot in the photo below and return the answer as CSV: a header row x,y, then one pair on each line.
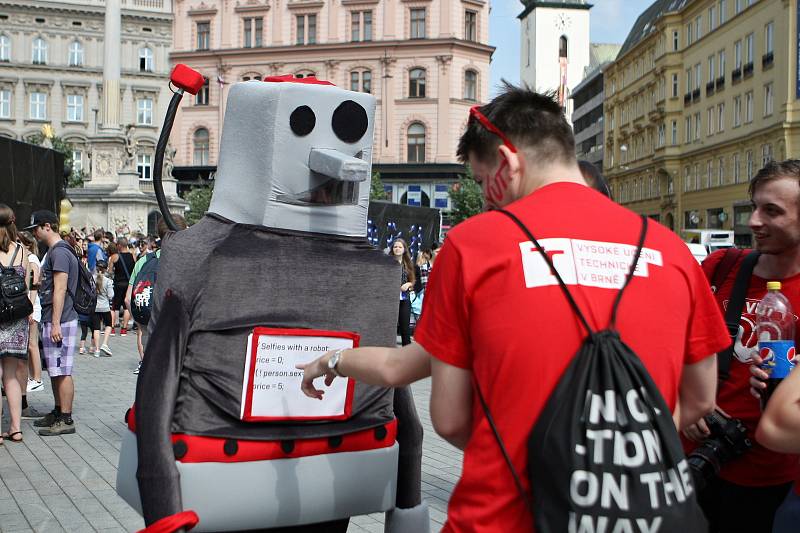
x,y
271,385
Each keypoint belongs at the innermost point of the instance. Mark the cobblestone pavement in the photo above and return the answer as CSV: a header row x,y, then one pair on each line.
x,y
66,483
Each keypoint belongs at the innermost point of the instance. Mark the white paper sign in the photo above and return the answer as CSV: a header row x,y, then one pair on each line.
x,y
271,385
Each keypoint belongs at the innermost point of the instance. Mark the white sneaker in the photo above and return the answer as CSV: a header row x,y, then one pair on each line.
x,y
34,386
106,349
139,367
97,353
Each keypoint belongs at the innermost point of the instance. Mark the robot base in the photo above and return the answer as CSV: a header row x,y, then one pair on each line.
x,y
276,493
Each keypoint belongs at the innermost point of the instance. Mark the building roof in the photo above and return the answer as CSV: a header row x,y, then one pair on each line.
x,y
646,23
530,5
600,53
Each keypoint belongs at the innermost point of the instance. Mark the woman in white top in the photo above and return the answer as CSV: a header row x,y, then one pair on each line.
x,y
34,360
101,318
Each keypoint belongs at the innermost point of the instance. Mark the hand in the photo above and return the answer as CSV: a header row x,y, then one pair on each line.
x,y
759,377
698,432
406,286
313,370
55,333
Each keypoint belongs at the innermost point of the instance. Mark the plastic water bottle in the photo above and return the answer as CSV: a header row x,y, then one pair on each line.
x,y
775,328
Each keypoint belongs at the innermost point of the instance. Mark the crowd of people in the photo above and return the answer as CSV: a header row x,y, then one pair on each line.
x,y
50,260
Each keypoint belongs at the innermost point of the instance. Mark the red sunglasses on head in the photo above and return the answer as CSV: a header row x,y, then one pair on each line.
x,y
475,111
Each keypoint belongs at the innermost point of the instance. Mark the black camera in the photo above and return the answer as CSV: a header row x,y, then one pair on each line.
x,y
728,441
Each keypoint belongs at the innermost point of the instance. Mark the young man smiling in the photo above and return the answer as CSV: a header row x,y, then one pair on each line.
x,y
495,316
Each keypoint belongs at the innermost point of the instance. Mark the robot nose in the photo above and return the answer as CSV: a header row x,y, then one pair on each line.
x,y
338,165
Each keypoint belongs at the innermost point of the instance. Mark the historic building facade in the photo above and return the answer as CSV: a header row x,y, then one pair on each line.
x,y
697,101
426,61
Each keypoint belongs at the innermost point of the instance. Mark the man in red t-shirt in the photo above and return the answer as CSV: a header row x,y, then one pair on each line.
x,y
495,314
750,488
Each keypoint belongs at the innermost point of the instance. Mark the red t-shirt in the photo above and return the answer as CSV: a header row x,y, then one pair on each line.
x,y
493,307
758,467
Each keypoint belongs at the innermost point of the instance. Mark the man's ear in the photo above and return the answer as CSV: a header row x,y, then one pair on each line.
x,y
515,162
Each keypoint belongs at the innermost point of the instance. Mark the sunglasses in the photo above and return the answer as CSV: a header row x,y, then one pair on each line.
x,y
475,111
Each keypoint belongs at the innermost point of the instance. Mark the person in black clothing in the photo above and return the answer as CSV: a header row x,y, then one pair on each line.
x,y
121,264
407,278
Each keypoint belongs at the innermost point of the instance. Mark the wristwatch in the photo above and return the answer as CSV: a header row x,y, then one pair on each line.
x,y
334,361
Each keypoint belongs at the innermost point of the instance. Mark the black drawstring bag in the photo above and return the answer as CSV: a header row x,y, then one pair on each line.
x,y
604,454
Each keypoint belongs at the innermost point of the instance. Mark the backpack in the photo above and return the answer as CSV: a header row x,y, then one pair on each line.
x,y
14,301
604,454
142,293
84,300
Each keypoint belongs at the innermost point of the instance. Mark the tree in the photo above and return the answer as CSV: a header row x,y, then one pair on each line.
x,y
466,198
376,191
48,139
198,199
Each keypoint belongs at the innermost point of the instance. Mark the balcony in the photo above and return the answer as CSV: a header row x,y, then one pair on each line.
x,y
696,95
720,84
736,75
709,88
748,70
687,98
767,60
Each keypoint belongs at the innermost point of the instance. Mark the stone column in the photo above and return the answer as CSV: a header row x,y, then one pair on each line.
x,y
388,148
444,153
111,64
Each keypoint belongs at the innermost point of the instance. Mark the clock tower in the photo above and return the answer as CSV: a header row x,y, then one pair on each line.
x,y
555,46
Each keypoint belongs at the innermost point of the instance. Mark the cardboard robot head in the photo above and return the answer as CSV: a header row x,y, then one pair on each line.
x,y
296,156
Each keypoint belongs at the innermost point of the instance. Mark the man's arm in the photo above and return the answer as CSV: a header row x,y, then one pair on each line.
x,y
451,402
697,391
59,295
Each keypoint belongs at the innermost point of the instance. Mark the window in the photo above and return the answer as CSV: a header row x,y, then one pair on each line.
x,y
5,103
563,51
144,111
738,5
766,154
416,83
145,60
470,26
768,99
5,48
749,163
698,28
712,18
721,170
203,35
39,51
361,81
697,176
769,32
471,85
721,117
748,107
748,49
144,166
721,64
75,54
674,85
38,106
737,175
698,75
75,108
711,70
674,132
417,23
710,121
689,34
306,29
737,54
723,11
416,143
710,178
697,126
361,26
662,135
737,111
253,32
201,98
200,140
675,41
688,130
77,161
688,80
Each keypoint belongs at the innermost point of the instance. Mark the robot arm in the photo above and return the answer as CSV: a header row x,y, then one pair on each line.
x,y
156,392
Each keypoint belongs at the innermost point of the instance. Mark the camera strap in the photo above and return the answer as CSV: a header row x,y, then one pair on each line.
x,y
733,313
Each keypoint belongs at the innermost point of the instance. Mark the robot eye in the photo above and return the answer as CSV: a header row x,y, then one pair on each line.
x,y
302,121
350,121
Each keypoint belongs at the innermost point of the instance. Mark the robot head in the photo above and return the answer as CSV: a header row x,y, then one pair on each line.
x,y
296,154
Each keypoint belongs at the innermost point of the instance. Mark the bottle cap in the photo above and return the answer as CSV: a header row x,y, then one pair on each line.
x,y
773,285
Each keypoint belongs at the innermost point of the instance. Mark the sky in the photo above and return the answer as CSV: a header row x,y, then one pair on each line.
x,y
610,21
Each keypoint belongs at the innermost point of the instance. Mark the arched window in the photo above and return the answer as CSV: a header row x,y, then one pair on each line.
x,y
305,74
201,147
361,81
39,51
416,83
5,48
470,85
416,143
145,60
562,46
75,54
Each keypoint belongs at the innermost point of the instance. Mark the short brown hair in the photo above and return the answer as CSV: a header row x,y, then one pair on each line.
x,y
789,168
163,229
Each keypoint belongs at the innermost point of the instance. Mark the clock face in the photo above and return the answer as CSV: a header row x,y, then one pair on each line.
x,y
562,22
